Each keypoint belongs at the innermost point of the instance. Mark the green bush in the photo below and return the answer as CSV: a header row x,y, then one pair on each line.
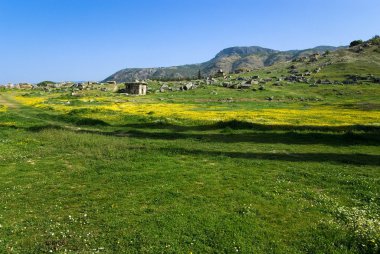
x,y
356,43
375,40
45,83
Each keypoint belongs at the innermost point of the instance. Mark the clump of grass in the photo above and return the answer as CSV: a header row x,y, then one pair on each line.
x,y
363,227
360,226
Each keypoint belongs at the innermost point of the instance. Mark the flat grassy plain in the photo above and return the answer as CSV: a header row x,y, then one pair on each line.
x,y
184,172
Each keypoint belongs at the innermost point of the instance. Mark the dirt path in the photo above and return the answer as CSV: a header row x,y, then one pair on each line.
x,y
4,101
30,113
17,109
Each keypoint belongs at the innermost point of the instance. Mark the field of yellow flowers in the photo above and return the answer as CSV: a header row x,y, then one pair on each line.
x,y
313,115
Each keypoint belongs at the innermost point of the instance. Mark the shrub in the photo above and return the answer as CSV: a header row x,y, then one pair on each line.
x,y
356,43
45,83
375,40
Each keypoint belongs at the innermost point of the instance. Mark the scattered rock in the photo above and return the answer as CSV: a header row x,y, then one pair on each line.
x,y
314,57
226,100
324,82
245,86
188,86
164,88
115,88
227,84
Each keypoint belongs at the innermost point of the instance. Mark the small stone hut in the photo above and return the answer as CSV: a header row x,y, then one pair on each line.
x,y
138,88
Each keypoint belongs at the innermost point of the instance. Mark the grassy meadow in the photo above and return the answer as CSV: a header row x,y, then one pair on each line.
x,y
210,170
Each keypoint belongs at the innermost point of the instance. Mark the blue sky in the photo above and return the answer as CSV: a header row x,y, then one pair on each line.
x,y
91,39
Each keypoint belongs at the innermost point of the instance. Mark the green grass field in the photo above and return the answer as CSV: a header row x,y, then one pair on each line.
x,y
147,184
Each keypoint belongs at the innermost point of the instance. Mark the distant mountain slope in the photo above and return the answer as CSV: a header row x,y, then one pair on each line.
x,y
229,60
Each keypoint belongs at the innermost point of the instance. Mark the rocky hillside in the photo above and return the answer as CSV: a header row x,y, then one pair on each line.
x,y
357,65
229,60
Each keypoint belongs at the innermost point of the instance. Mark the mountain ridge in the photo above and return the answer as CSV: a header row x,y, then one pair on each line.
x,y
229,60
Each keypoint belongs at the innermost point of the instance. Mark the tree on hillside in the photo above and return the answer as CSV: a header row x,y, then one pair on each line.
x,y
356,43
375,40
199,74
45,83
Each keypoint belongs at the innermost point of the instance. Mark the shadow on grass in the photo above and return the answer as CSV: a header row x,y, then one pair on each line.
x,y
305,138
38,128
73,119
354,159
297,138
241,125
334,139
